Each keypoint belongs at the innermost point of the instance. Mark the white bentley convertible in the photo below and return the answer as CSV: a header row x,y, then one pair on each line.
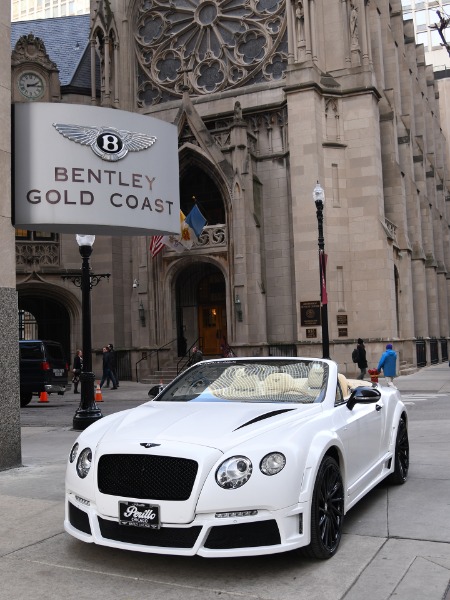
x,y
237,457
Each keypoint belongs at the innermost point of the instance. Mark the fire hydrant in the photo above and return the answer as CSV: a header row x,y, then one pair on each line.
x,y
374,374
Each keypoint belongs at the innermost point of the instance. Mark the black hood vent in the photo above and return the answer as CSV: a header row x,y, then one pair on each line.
x,y
268,415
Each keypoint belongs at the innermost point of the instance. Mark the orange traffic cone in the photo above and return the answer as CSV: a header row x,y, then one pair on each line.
x,y
98,394
43,397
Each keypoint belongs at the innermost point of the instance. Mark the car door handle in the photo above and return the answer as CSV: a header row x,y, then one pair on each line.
x,y
378,408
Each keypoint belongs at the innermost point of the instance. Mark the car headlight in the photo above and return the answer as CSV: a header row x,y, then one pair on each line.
x,y
234,472
73,452
84,462
272,463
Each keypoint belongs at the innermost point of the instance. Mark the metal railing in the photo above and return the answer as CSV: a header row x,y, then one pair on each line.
x,y
150,353
434,351
421,353
444,350
283,350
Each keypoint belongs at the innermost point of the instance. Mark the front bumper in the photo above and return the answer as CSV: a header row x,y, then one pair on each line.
x,y
267,532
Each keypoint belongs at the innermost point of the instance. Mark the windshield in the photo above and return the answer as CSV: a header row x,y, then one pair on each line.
x,y
250,380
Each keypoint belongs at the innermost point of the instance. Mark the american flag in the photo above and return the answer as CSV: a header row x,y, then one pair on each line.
x,y
156,245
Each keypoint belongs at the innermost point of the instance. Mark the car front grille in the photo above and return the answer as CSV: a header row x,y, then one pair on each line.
x,y
166,537
146,476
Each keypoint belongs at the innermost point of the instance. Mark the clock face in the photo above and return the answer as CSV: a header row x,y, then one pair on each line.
x,y
31,85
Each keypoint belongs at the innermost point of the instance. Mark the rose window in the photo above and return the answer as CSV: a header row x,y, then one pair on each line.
x,y
207,46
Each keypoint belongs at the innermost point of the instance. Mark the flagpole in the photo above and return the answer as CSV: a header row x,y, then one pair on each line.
x,y
319,199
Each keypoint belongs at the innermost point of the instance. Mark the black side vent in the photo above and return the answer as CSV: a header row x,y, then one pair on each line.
x,y
79,519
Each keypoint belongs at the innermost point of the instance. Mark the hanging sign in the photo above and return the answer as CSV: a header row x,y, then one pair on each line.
x,y
94,170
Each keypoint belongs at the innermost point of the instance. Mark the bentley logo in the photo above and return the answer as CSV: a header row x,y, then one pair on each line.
x,y
107,142
149,445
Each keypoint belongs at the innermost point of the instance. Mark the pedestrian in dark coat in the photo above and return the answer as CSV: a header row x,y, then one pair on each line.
x,y
362,359
76,370
107,372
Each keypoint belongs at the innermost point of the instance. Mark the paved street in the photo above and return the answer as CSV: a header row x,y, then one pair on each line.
x,y
396,542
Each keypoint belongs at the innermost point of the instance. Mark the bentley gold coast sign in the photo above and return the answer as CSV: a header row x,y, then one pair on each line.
x,y
95,170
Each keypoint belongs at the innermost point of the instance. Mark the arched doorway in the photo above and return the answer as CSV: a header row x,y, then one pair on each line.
x,y
52,319
201,308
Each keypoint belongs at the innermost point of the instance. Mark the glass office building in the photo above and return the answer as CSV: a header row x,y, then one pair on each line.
x,y
424,14
24,10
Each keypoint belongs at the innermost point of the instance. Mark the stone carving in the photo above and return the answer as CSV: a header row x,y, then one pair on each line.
x,y
300,16
29,47
221,44
354,25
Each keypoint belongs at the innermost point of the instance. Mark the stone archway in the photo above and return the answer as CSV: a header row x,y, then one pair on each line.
x,y
51,314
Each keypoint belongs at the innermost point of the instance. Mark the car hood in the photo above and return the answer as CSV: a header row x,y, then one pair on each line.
x,y
216,425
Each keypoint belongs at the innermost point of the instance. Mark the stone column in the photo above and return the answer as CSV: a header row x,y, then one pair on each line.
x,y
10,449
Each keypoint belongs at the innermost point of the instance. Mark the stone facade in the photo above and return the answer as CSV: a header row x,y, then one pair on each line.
x,y
269,99
10,452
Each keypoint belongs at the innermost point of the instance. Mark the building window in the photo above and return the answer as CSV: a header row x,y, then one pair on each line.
x,y
35,236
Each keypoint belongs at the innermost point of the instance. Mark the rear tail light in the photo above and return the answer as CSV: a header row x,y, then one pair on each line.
x,y
45,366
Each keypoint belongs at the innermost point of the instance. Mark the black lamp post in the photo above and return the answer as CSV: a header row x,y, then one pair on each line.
x,y
88,411
319,199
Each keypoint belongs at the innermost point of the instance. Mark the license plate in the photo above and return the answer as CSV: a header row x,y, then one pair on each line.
x,y
138,514
58,372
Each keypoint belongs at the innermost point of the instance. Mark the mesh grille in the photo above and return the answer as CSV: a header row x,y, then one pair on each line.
x,y
146,476
167,537
244,535
79,519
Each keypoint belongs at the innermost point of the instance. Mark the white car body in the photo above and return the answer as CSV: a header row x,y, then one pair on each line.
x,y
264,515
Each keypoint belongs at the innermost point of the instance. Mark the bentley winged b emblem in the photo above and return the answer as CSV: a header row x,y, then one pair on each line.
x,y
107,142
149,444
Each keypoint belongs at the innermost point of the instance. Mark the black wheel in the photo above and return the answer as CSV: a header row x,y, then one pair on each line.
x,y
401,455
327,511
25,398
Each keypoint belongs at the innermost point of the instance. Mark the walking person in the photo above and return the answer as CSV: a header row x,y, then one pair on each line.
x,y
388,362
362,359
197,356
77,368
113,364
107,373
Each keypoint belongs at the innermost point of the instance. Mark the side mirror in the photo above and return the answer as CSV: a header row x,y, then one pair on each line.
x,y
363,395
155,390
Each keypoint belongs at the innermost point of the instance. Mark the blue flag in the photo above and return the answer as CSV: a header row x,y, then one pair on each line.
x,y
196,220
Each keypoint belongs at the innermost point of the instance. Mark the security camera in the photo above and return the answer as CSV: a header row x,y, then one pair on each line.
x,y
135,283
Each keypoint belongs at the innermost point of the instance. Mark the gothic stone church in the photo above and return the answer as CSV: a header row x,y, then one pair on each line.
x,y
269,98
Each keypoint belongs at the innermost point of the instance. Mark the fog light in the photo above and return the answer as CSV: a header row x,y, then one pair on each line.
x,y
82,500
236,513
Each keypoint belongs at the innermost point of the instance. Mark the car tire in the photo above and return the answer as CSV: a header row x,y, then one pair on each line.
x,y
327,511
25,398
401,455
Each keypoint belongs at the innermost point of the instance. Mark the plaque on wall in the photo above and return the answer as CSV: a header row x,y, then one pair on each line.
x,y
311,333
342,319
342,332
310,313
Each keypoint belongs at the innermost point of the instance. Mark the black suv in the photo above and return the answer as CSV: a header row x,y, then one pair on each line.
x,y
43,368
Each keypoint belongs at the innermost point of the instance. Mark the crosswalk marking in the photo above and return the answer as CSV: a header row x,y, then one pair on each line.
x,y
411,398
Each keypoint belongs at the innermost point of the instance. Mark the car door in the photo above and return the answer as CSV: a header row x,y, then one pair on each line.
x,y
362,430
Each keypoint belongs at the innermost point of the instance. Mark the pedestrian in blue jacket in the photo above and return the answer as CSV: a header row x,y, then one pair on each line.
x,y
388,362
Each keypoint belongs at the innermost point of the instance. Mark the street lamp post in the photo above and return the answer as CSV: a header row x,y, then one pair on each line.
x,y
88,411
319,199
